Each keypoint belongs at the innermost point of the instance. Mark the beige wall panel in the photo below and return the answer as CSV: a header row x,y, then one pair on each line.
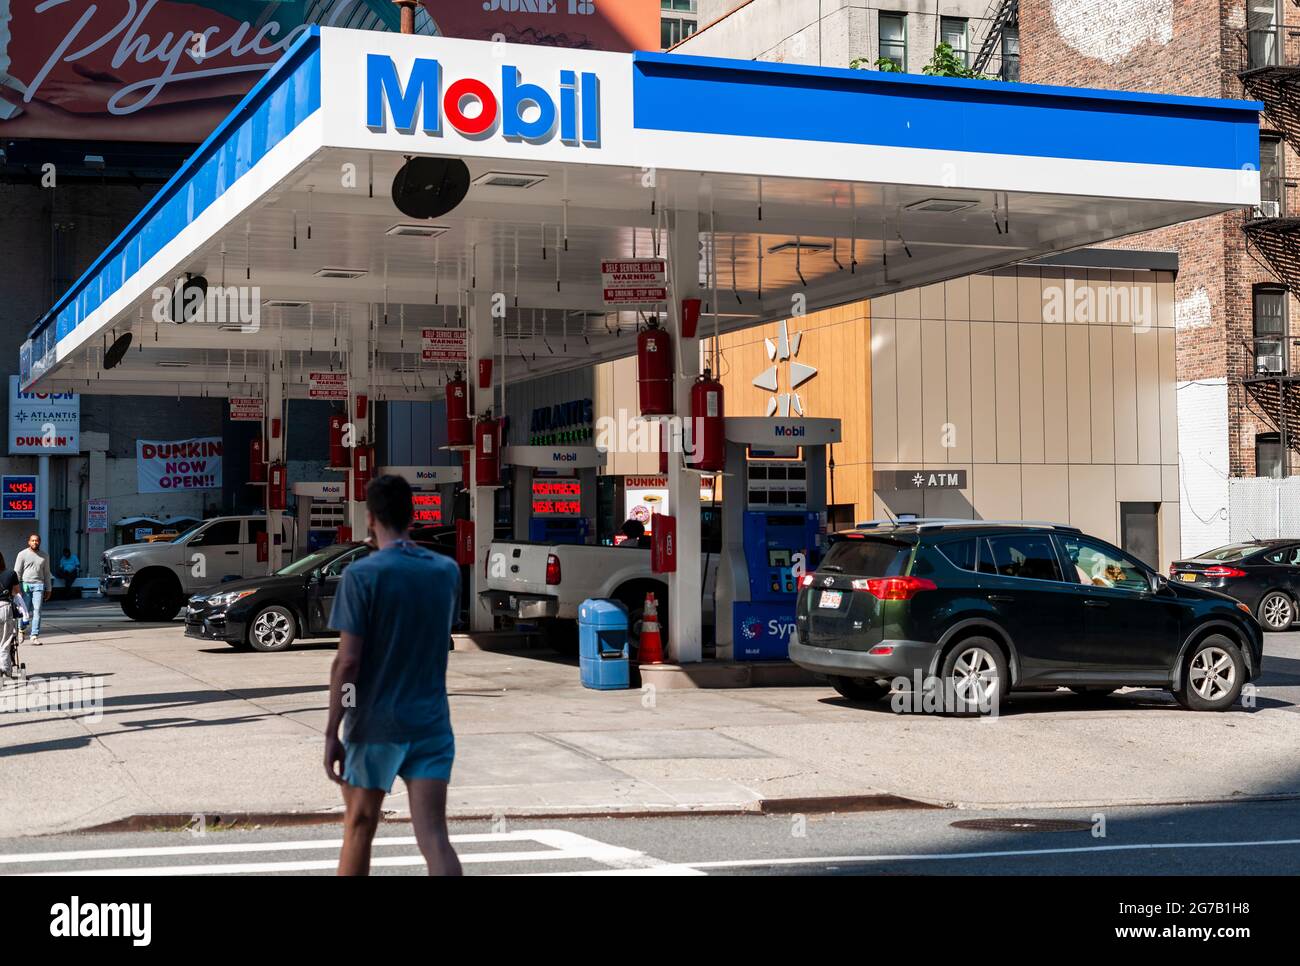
x,y
1029,285
932,302
996,488
910,417
1006,296
1052,287
1123,310
959,391
1147,352
907,305
884,391
1078,393
1008,392
981,298
1098,280
1103,400
1165,299
1168,397
934,391
1031,392
984,438
1170,535
1092,501
1125,381
1045,492
957,299
1137,484
1169,492
882,307
1056,421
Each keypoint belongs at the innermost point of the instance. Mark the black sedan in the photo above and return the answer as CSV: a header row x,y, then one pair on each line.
x,y
1262,574
269,613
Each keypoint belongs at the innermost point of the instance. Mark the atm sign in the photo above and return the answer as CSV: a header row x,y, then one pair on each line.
x,y
18,498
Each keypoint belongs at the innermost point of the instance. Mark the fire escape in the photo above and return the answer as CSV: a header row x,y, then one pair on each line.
x,y
1000,15
1264,60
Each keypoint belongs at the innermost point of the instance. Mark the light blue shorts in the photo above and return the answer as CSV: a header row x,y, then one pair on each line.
x,y
375,764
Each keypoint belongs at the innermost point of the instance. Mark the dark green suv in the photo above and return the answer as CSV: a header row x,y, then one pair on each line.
x,y
982,608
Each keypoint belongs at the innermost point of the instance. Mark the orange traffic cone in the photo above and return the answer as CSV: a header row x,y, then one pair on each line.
x,y
651,650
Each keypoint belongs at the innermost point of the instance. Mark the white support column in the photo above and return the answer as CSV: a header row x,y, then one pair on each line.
x,y
43,501
685,638
482,500
274,407
358,384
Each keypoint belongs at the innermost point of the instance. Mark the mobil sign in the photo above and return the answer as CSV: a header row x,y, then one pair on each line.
x,y
535,107
43,423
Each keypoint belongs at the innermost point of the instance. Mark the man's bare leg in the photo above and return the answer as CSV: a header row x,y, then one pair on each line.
x,y
359,824
428,797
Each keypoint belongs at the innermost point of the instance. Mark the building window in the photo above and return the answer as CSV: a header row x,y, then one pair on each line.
x,y
1270,330
675,29
1270,178
952,31
1011,53
893,39
1263,40
1268,455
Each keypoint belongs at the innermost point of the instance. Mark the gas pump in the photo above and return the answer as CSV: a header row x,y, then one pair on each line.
x,y
320,510
773,528
554,492
433,492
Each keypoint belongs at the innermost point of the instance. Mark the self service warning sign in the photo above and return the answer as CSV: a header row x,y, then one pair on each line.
x,y
633,281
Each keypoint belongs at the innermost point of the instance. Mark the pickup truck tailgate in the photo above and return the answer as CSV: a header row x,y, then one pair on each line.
x,y
519,568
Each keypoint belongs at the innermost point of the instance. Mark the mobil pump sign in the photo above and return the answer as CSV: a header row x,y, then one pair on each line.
x,y
504,103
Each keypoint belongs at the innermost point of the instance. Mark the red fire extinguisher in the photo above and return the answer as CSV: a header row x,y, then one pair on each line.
x,y
362,467
263,547
464,469
663,545
487,454
465,542
708,439
654,370
257,461
338,452
277,487
458,431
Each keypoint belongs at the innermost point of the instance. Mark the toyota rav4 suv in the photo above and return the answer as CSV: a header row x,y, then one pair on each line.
x,y
983,608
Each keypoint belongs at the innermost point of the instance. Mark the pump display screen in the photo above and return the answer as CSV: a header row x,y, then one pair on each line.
x,y
557,498
18,494
779,558
428,508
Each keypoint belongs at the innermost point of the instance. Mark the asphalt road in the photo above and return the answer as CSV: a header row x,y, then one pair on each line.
x,y
1261,838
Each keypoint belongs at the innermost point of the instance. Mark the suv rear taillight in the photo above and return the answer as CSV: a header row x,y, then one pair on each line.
x,y
552,569
806,580
894,588
1223,572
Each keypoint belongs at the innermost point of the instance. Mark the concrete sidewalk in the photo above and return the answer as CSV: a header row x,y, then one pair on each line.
x,y
190,727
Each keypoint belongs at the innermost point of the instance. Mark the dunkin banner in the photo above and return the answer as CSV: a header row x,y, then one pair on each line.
x,y
183,464
152,70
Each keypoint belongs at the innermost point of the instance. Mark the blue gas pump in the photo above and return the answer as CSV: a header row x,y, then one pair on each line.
x,y
779,546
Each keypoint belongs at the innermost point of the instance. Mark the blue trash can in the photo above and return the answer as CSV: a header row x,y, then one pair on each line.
x,y
603,660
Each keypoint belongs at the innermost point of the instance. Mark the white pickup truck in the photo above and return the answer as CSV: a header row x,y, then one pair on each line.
x,y
544,583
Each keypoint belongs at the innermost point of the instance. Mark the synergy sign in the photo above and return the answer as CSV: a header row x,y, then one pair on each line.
x,y
518,110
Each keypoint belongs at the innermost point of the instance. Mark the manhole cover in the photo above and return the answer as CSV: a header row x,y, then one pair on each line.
x,y
1024,825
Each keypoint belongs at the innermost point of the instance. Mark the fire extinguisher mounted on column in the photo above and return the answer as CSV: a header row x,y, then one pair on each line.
x,y
708,450
487,452
654,370
362,468
257,461
338,452
277,487
458,424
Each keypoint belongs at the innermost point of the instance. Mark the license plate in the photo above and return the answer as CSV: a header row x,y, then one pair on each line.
x,y
1189,578
830,598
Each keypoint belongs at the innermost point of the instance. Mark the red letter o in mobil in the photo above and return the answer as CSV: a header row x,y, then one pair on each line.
x,y
455,97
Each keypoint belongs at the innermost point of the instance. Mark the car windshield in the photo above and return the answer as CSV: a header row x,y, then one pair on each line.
x,y
186,532
310,562
1233,551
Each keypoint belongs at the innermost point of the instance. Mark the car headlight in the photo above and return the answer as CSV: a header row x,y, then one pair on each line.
x,y
226,599
120,566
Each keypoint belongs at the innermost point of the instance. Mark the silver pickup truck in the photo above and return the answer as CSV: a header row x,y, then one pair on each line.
x,y
153,580
544,583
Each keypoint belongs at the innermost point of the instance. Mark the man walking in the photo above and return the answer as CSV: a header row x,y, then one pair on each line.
x,y
394,611
33,568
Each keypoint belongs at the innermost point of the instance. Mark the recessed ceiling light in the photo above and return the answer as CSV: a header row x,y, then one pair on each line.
x,y
942,204
281,304
509,179
341,273
168,364
417,231
799,246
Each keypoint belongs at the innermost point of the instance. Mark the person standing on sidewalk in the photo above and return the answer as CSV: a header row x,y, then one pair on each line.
x,y
10,595
33,569
388,684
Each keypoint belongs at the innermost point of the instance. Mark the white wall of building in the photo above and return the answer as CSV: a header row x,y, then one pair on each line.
x,y
1203,463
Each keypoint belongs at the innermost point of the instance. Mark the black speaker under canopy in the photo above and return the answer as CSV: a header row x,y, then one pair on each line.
x,y
113,357
188,296
430,187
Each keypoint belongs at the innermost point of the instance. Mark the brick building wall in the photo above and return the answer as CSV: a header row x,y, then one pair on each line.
x,y
1186,47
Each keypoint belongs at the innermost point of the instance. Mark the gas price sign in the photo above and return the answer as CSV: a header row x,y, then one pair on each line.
x,y
557,498
18,498
428,508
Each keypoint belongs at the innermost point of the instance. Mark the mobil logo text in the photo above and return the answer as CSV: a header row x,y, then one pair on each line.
x,y
520,110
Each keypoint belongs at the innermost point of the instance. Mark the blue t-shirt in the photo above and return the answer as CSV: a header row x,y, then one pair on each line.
x,y
400,601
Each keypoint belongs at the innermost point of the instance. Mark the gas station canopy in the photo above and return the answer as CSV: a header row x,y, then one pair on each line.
x,y
809,187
